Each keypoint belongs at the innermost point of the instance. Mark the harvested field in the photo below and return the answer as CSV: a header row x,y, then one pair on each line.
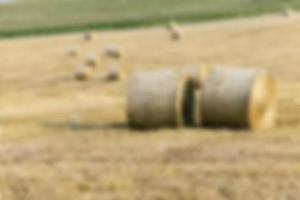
x,y
63,139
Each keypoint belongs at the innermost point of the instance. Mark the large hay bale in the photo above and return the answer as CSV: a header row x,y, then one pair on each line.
x,y
160,99
241,98
82,72
112,51
197,73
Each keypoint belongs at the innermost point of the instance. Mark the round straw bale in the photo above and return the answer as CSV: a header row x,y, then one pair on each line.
x,y
172,25
72,51
197,73
82,72
87,36
287,12
91,60
176,34
113,51
160,99
241,98
174,30
115,73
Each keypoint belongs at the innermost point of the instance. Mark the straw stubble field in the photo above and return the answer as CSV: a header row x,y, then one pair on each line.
x,y
63,139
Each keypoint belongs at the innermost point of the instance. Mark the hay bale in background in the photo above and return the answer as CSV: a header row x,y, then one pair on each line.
x,y
197,73
72,51
288,12
174,30
241,98
114,73
87,36
112,51
91,60
171,25
82,72
176,35
160,99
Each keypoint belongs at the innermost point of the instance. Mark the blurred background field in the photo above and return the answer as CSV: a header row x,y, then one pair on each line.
x,y
42,16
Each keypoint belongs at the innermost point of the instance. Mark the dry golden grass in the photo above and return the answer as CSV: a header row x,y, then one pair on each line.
x,y
63,139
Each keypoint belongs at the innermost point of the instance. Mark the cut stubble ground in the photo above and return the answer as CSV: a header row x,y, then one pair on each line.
x,y
63,139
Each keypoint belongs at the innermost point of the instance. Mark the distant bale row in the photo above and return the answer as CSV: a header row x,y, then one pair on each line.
x,y
228,97
112,55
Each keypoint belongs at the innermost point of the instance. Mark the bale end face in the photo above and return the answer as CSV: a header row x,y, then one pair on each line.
x,y
262,105
238,98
